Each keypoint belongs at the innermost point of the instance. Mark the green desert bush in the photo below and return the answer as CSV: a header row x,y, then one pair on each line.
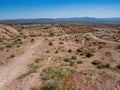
x,y
50,43
96,62
100,47
61,43
1,63
79,62
71,63
89,54
70,50
118,66
56,51
9,46
67,59
35,88
78,50
45,76
51,85
1,48
57,73
118,46
103,65
74,57
51,34
37,60
47,51
48,70
12,56
53,73
17,41
32,40
1,39
100,64
33,67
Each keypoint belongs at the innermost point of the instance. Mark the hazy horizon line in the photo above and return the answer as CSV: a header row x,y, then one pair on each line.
x,y
60,18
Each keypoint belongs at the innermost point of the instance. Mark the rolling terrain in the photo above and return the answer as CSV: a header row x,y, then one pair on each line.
x,y
60,57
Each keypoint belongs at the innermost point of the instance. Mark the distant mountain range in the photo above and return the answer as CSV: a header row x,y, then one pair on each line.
x,y
63,20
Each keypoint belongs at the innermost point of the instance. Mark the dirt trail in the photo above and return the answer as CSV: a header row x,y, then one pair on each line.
x,y
101,40
18,66
96,38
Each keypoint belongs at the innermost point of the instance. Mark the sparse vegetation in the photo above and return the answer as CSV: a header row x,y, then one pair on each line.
x,y
57,73
103,65
51,34
50,43
32,40
118,46
78,50
79,62
51,85
89,54
35,89
1,63
1,40
45,76
118,66
47,51
67,59
1,48
96,62
37,60
74,57
54,73
14,42
61,43
33,67
56,51
87,72
9,46
100,64
71,63
12,56
70,50
100,47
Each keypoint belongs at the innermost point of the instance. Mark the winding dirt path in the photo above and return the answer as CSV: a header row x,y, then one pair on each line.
x,y
101,40
18,66
96,38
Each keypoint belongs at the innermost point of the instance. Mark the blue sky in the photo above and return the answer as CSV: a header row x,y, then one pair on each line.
x,y
17,9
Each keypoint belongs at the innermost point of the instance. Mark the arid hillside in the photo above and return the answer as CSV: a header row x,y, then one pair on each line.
x,y
60,57
8,32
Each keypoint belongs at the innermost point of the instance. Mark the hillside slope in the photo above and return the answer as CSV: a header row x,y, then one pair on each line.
x,y
7,31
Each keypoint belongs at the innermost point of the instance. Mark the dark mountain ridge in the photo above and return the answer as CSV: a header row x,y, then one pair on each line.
x,y
63,20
